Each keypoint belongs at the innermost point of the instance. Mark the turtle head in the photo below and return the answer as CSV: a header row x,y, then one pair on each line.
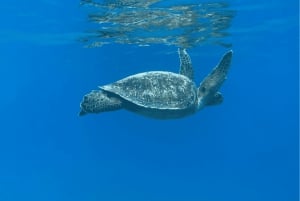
x,y
99,101
210,100
208,97
208,90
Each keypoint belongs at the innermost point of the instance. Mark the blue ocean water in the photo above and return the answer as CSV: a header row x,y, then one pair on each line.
x,y
245,149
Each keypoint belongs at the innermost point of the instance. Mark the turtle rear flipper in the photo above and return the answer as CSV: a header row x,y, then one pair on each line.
x,y
99,101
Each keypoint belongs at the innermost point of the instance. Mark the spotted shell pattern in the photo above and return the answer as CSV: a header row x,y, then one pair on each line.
x,y
157,90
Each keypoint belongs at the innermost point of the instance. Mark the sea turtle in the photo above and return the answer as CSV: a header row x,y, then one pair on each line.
x,y
160,94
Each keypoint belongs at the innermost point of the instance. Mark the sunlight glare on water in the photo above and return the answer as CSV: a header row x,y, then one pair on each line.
x,y
148,22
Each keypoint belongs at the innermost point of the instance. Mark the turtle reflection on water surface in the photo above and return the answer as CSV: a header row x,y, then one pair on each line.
x,y
160,94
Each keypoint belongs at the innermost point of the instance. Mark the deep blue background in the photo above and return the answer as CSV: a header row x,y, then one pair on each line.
x,y
245,149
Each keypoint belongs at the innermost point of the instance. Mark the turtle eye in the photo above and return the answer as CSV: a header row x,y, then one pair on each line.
x,y
203,89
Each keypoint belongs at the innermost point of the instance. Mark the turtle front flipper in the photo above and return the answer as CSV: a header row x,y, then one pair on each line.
x,y
99,101
219,73
186,67
208,90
